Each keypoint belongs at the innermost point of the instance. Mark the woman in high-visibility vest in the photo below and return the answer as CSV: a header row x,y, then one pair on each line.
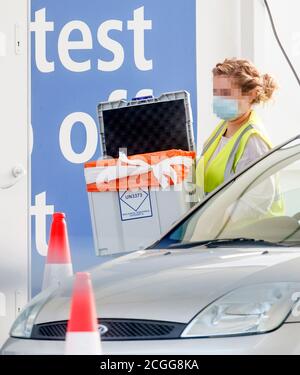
x,y
237,140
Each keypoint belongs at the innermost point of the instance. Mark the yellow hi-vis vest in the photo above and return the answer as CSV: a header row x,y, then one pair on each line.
x,y
210,175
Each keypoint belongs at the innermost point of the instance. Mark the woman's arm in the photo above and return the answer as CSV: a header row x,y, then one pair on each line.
x,y
257,200
255,148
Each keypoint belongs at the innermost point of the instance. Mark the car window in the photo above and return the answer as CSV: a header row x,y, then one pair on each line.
x,y
267,208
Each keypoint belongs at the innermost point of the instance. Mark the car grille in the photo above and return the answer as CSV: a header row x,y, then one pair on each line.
x,y
115,329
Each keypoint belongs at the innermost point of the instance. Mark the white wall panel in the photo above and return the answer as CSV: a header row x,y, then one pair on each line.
x,y
14,191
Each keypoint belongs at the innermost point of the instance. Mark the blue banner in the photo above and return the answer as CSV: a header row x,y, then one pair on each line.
x,y
84,52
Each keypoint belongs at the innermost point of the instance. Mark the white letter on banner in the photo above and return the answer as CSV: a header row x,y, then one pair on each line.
x,y
144,92
139,25
122,94
65,45
91,137
40,211
2,305
117,95
39,26
111,45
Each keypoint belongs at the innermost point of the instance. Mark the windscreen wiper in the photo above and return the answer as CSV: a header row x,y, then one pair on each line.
x,y
224,242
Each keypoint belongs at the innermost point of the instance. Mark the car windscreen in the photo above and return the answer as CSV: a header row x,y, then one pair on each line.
x,y
265,207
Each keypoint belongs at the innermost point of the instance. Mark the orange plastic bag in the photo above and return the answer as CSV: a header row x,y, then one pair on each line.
x,y
170,167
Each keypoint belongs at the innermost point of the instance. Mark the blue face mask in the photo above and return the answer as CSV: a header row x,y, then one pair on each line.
x,y
225,108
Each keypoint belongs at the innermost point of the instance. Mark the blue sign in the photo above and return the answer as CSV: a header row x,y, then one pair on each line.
x,y
84,53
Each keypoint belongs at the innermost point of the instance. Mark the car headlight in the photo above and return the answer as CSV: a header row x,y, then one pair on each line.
x,y
246,310
23,325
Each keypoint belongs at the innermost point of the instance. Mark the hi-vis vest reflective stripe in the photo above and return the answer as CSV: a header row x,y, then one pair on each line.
x,y
209,175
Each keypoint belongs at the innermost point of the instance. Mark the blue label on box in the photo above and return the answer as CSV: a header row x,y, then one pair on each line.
x,y
135,204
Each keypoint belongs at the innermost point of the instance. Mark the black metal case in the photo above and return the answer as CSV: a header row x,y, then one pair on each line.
x,y
145,125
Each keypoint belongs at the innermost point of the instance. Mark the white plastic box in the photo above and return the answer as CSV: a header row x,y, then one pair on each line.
x,y
125,221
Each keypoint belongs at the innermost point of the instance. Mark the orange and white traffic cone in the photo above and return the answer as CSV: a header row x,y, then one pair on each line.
x,y
58,264
82,331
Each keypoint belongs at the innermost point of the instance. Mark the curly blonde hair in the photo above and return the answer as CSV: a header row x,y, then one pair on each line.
x,y
247,77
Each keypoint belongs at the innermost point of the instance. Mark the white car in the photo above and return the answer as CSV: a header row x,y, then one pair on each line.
x,y
223,280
